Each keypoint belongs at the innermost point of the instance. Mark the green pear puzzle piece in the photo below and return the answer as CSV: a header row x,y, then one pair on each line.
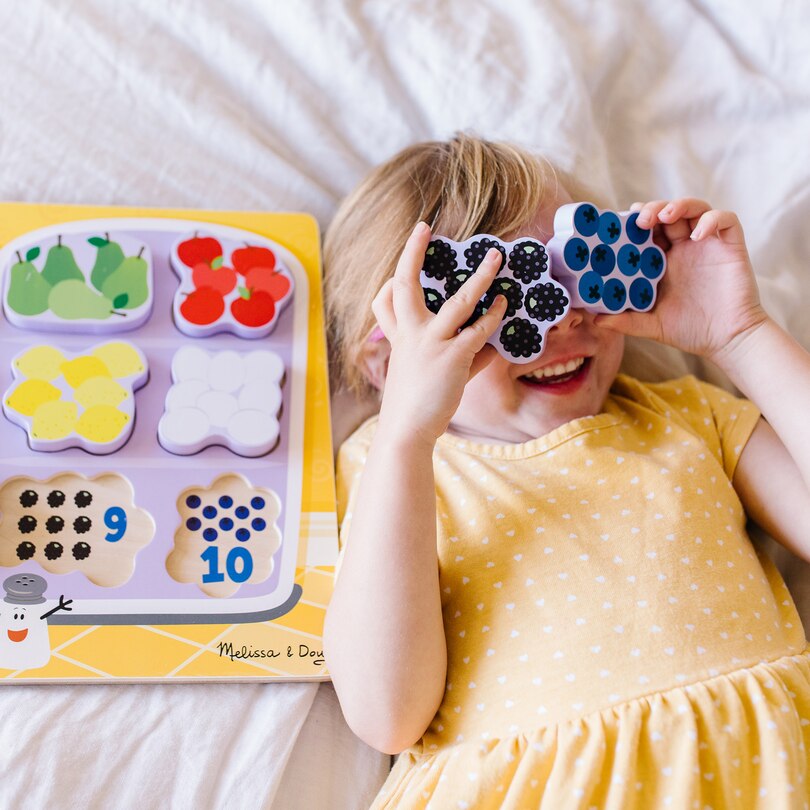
x,y
73,299
60,265
129,280
28,291
108,259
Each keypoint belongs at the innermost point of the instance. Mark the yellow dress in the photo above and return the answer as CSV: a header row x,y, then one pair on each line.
x,y
614,639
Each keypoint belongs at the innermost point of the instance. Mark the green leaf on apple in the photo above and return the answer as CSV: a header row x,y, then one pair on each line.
x,y
217,263
244,293
32,254
97,241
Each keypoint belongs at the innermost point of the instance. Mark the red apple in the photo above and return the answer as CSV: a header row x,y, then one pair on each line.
x,y
203,306
199,249
276,284
247,258
221,279
253,308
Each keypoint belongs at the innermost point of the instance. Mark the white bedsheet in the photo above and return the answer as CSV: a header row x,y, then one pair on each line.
x,y
285,105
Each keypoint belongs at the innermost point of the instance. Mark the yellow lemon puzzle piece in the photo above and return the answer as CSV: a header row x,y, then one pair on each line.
x,y
100,391
79,369
120,358
40,363
54,420
30,394
101,423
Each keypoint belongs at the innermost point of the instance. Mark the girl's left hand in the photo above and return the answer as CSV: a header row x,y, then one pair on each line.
x,y
708,295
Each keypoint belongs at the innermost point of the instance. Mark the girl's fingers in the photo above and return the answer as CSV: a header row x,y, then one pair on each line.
x,y
638,324
648,213
408,298
460,306
723,224
383,308
475,336
677,217
482,359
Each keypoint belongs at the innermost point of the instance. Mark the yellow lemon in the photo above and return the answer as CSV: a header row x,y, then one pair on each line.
x,y
54,420
100,391
40,363
120,358
101,423
78,370
30,394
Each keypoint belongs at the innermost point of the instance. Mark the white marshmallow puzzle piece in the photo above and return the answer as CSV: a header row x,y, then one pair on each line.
x,y
227,398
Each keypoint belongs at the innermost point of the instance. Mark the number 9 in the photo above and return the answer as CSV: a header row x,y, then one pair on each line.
x,y
115,519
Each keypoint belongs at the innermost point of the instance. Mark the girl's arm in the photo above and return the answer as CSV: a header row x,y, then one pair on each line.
x,y
384,635
709,305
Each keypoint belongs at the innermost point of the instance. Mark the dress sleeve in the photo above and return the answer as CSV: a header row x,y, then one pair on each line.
x,y
725,422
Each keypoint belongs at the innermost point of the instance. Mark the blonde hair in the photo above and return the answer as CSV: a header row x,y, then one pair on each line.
x,y
459,187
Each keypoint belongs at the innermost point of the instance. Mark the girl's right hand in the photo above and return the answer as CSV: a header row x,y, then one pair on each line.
x,y
431,360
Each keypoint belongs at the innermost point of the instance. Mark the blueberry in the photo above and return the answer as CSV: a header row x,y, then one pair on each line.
x,y
27,524
576,254
226,524
83,498
210,512
210,535
243,535
54,524
53,551
28,498
610,228
590,287
641,294
603,260
242,512
226,501
614,294
629,260
586,219
56,498
193,501
193,523
638,236
652,262
81,551
82,525
258,524
26,550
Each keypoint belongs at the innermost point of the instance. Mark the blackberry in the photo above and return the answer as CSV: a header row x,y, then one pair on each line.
x,y
528,261
81,551
54,524
510,290
455,280
545,302
433,300
53,551
521,338
477,250
480,309
440,260
82,525
56,498
26,550
83,498
28,498
26,524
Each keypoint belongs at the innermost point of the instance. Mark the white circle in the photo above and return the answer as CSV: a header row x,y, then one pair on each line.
x,y
226,372
218,406
264,365
185,394
254,429
190,363
184,427
261,396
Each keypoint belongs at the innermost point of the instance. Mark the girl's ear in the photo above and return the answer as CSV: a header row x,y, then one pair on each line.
x,y
374,358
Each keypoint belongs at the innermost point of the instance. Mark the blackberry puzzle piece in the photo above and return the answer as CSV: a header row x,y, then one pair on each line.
x,y
606,262
535,301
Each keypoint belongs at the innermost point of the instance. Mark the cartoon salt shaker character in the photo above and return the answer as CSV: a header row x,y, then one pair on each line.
x,y
24,641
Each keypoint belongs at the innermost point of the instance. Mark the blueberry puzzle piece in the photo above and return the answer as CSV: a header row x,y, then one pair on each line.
x,y
606,262
535,301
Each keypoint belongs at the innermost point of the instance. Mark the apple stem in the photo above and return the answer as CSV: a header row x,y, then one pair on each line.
x,y
141,251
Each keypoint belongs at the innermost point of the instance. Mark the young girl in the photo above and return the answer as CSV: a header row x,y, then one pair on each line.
x,y
548,596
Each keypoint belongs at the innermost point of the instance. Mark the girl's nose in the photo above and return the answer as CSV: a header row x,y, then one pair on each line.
x,y
573,318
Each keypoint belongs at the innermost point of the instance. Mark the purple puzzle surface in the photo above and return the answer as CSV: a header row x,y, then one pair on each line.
x,y
157,476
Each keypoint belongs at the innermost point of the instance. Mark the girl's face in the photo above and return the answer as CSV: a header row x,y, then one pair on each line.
x,y
513,403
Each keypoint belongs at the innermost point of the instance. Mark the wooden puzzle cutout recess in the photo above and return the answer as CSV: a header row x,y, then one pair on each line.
x,y
97,283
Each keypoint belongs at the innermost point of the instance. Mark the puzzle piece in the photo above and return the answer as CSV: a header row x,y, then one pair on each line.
x,y
73,523
535,301
604,259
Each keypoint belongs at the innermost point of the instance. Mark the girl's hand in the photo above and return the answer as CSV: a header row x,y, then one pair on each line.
x,y
431,361
708,296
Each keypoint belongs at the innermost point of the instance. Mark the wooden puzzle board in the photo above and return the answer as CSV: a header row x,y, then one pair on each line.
x,y
153,623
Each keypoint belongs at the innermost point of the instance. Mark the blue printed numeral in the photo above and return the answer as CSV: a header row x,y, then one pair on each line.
x,y
238,558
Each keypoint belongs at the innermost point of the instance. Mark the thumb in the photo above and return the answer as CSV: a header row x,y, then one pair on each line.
x,y
637,324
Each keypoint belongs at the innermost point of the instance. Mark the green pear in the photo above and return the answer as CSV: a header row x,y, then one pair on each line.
x,y
73,299
28,291
108,259
60,265
127,287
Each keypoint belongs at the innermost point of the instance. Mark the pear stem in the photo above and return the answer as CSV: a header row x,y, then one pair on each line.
x,y
18,256
115,312
59,240
141,251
